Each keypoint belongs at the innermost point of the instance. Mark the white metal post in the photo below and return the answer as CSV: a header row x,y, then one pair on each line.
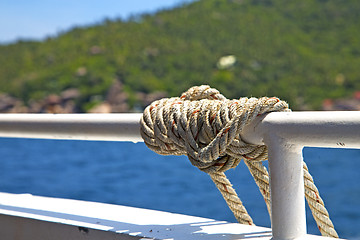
x,y
288,220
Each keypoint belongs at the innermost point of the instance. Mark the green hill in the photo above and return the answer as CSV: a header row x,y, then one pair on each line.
x,y
302,51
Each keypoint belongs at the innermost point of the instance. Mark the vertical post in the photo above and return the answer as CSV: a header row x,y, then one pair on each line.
x,y
287,189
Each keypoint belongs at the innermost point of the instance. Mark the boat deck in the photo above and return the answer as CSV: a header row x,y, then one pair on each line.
x,y
24,216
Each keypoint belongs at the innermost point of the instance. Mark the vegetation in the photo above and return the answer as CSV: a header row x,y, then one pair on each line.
x,y
302,51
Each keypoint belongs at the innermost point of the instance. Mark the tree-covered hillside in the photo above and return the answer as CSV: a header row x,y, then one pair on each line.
x,y
302,51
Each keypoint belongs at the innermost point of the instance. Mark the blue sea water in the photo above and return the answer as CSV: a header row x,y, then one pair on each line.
x,y
130,174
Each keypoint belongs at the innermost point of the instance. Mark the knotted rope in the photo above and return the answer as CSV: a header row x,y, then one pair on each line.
x,y
206,127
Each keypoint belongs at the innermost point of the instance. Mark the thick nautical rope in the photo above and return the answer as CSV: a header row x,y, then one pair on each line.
x,y
206,127
317,206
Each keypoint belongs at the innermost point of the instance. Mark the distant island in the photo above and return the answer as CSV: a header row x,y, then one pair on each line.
x,y
305,52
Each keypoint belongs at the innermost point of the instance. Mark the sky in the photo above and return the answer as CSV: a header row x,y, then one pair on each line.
x,y
37,19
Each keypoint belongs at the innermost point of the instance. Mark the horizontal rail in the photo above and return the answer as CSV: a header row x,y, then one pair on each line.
x,y
98,127
318,129
312,129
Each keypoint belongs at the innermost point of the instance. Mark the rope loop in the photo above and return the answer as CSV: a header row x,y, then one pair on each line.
x,y
207,127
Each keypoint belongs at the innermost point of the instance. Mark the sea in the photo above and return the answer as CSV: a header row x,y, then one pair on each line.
x,y
130,174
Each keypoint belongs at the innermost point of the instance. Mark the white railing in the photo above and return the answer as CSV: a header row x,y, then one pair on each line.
x,y
285,134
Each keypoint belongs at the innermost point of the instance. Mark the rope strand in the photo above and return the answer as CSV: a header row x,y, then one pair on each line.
x,y
317,206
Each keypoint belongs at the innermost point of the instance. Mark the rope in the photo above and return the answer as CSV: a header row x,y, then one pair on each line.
x,y
317,206
206,127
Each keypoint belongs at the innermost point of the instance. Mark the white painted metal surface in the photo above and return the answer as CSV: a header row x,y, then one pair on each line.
x,y
288,218
313,129
284,133
99,127
23,216
321,129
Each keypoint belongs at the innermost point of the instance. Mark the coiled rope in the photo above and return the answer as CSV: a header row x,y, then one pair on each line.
x,y
206,127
